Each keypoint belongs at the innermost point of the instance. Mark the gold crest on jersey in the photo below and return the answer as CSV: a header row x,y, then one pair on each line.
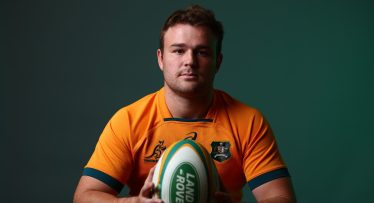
x,y
220,151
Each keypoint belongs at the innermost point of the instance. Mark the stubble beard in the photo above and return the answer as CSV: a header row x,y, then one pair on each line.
x,y
189,90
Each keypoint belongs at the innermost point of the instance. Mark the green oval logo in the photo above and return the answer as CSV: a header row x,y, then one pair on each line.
x,y
184,184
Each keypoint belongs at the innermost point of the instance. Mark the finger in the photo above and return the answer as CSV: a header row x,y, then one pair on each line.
x,y
150,175
153,201
146,190
148,187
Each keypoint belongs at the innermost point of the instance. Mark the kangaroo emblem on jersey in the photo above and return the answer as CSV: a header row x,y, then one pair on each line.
x,y
220,151
157,151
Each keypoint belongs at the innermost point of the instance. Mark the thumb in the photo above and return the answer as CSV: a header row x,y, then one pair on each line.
x,y
146,190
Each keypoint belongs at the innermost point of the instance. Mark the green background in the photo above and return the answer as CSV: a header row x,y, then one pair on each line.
x,y
67,66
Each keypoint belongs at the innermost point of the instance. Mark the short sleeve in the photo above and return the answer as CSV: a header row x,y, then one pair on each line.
x,y
262,161
111,160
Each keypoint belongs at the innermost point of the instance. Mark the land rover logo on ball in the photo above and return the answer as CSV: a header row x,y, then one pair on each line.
x,y
185,184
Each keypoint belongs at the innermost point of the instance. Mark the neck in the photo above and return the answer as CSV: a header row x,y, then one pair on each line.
x,y
188,106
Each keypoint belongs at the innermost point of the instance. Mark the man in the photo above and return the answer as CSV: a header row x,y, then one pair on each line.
x,y
187,107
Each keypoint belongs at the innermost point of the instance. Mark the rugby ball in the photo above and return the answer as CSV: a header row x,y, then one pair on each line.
x,y
185,173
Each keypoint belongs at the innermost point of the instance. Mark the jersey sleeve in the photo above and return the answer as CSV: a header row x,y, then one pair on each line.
x,y
262,161
111,160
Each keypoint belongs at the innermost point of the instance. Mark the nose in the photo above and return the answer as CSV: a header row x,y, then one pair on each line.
x,y
189,58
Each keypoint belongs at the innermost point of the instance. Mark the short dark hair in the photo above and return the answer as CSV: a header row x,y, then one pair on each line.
x,y
194,15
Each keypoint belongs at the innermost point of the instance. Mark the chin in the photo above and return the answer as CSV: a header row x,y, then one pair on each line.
x,y
188,88
191,90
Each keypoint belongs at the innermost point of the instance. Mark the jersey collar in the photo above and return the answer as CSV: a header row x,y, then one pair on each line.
x,y
164,111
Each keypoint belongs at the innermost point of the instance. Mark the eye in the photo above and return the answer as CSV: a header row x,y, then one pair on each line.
x,y
204,53
178,51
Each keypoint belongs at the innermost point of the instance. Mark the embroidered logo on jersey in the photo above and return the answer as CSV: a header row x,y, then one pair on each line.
x,y
193,136
220,151
157,151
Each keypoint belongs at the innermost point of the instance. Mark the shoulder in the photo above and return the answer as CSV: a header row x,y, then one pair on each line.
x,y
136,113
234,114
133,120
142,104
138,107
235,107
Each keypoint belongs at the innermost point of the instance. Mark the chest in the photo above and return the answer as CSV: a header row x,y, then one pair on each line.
x,y
222,144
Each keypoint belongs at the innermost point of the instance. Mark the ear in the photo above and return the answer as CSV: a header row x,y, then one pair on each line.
x,y
218,61
159,59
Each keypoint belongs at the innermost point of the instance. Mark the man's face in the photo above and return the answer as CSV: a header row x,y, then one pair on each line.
x,y
189,60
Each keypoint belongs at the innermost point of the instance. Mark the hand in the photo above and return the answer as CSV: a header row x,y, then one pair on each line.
x,y
146,193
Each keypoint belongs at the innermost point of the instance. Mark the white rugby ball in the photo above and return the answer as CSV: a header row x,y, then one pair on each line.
x,y
185,173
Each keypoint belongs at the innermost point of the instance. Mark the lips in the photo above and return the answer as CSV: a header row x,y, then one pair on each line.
x,y
188,75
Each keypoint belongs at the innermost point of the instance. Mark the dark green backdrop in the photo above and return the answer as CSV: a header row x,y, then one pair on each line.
x,y
67,66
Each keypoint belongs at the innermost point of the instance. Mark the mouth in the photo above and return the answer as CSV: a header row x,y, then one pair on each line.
x,y
188,75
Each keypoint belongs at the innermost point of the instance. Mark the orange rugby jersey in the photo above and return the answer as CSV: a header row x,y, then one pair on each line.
x,y
237,137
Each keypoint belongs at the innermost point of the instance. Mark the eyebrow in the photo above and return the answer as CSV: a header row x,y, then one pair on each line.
x,y
178,45
184,45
